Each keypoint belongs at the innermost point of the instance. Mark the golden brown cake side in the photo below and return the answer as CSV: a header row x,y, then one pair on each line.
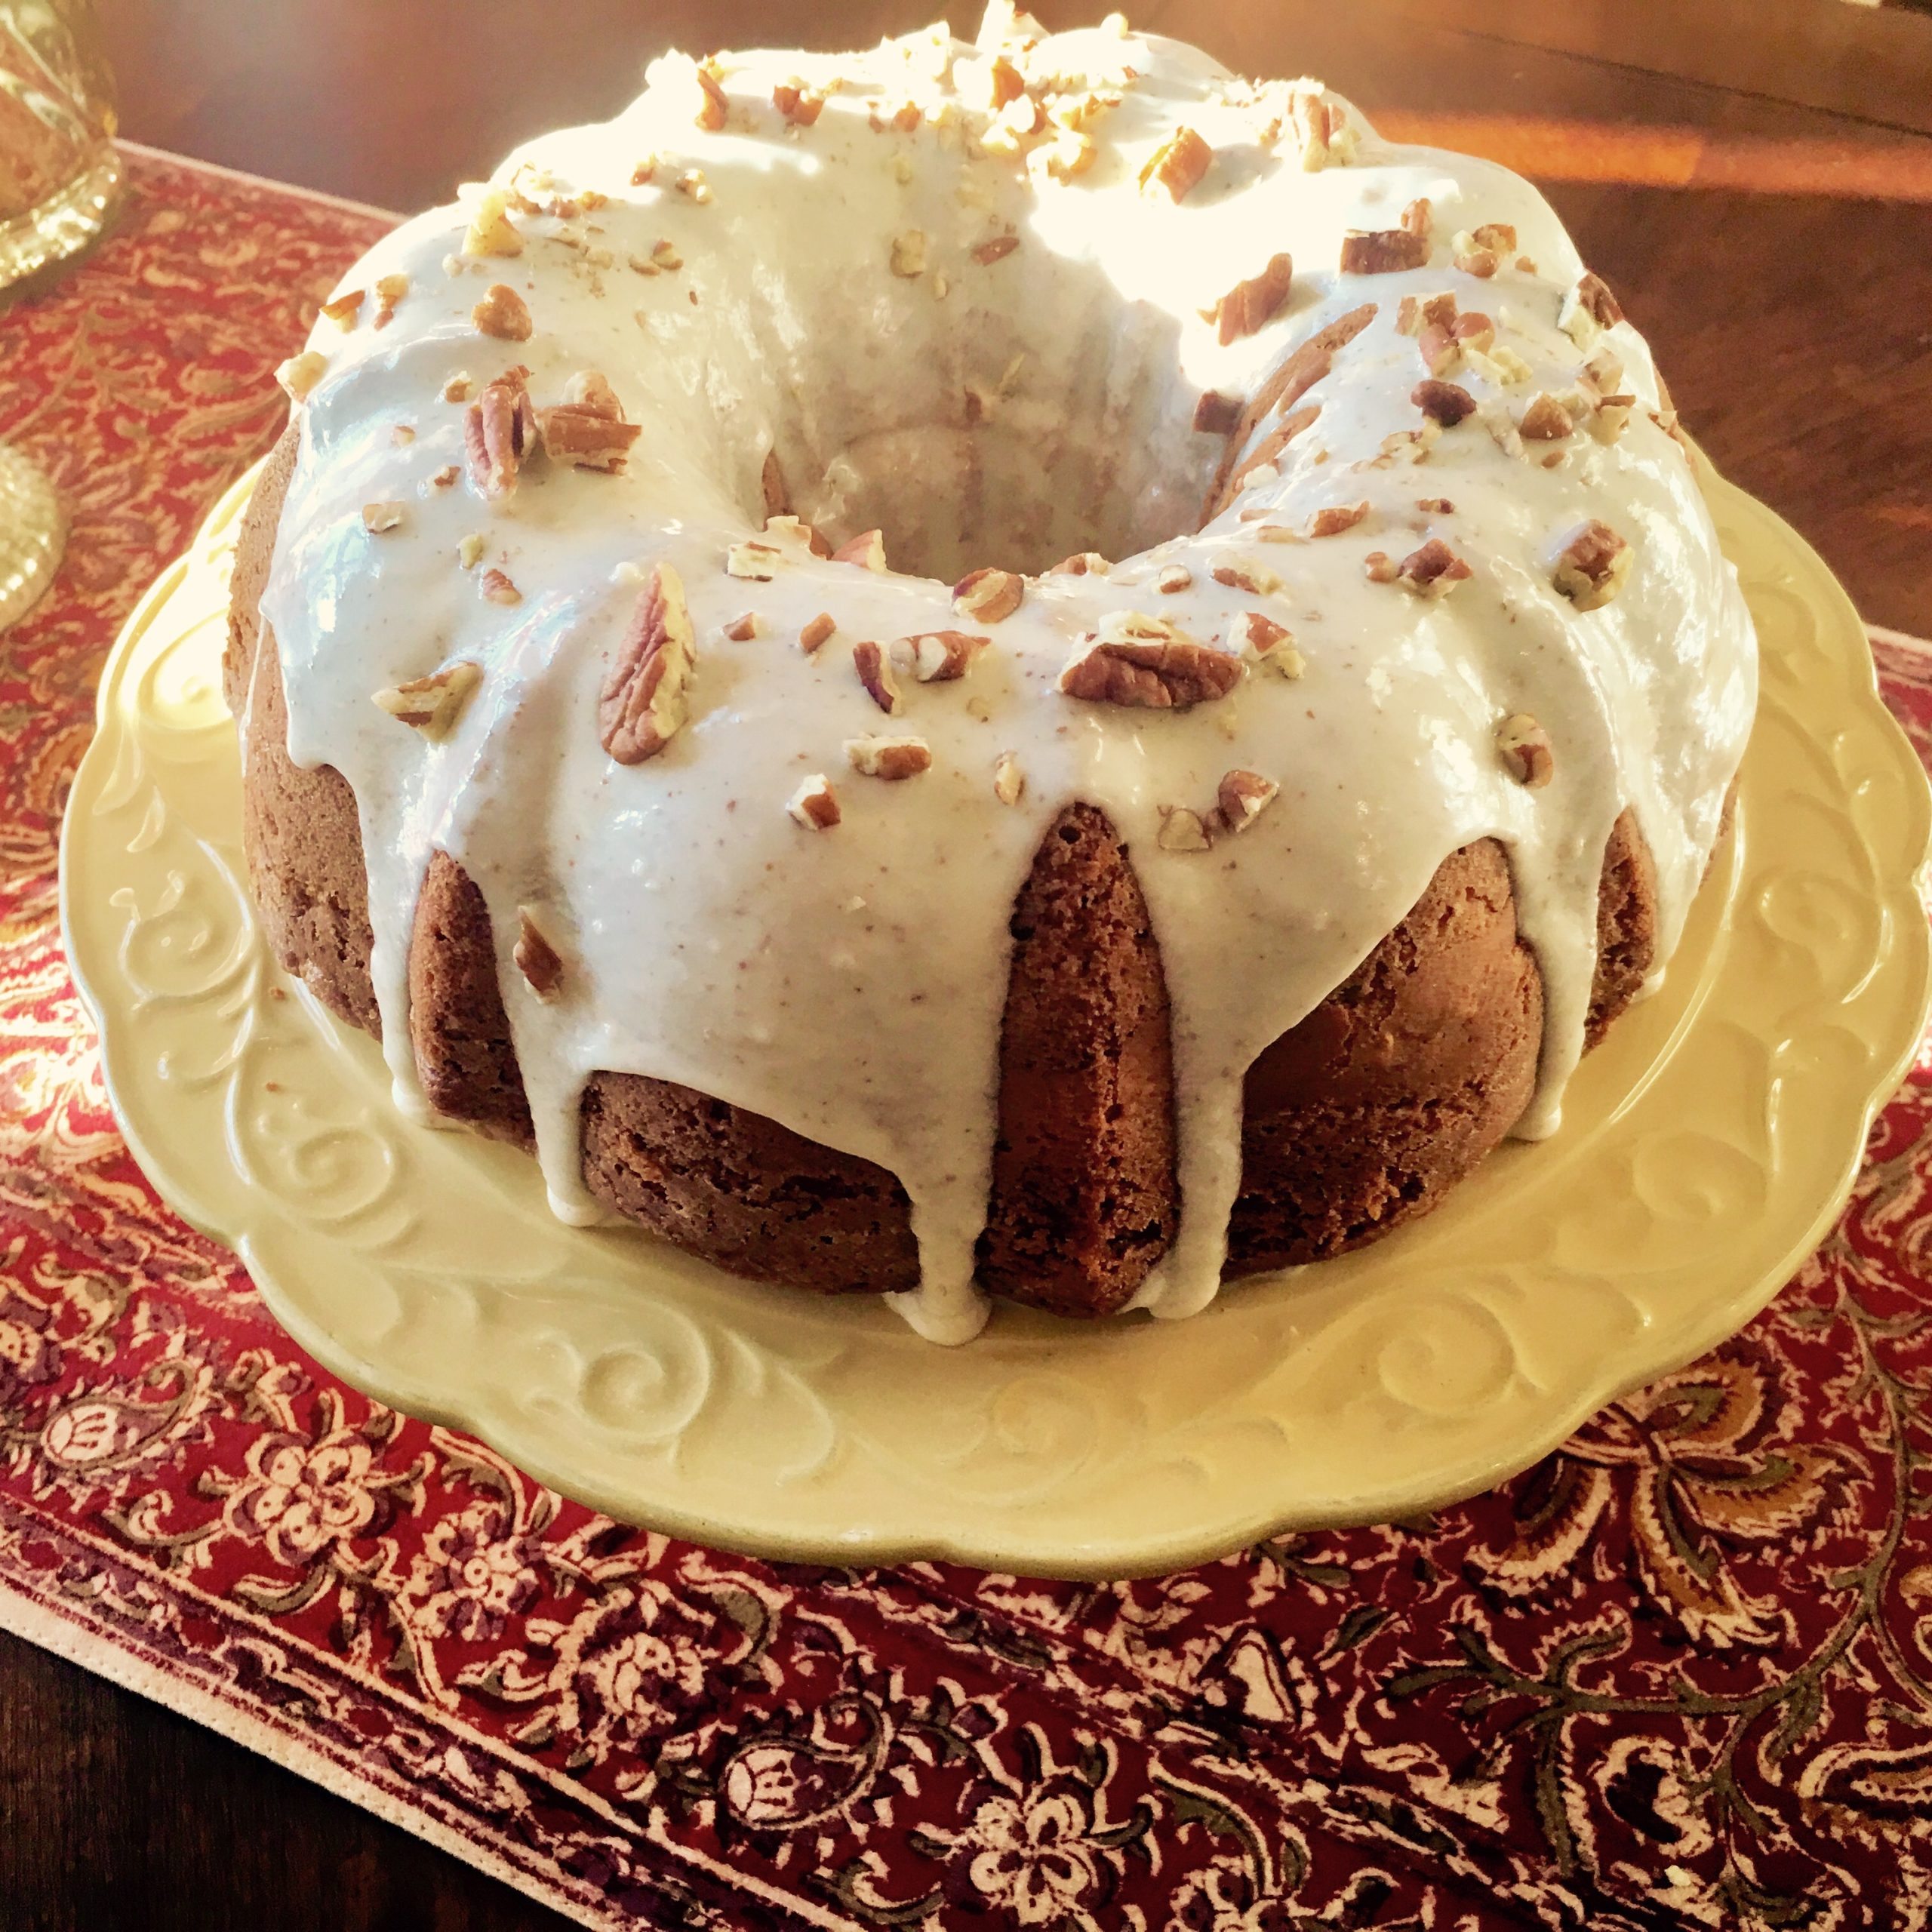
x,y
1085,1199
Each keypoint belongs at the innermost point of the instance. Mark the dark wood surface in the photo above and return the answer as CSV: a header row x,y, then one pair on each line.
x,y
1756,180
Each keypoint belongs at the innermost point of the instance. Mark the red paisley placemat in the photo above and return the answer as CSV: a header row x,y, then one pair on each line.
x,y
1679,1675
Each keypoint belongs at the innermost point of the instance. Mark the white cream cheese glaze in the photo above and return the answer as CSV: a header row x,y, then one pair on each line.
x,y
849,982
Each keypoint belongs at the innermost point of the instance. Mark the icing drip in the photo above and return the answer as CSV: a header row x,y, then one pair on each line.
x,y
902,325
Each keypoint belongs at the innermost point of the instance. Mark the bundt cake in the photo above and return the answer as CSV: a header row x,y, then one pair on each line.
x,y
1019,668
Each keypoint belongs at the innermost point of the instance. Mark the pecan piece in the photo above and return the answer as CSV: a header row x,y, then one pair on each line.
x,y
588,427
1587,309
643,700
502,313
1336,518
1215,414
996,250
1252,304
1446,403
867,550
800,105
343,309
816,631
1592,567
1434,570
1009,781
490,232
1182,830
378,518
540,962
987,595
894,758
1250,577
814,805
300,374
1526,751
713,108
1261,641
1175,168
874,670
1242,797
1546,420
431,704
1383,251
937,657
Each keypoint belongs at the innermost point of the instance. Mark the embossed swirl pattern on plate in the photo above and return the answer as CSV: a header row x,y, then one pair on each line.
x,y
423,1267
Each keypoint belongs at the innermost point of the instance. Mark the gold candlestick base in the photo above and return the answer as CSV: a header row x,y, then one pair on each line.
x,y
33,534
66,222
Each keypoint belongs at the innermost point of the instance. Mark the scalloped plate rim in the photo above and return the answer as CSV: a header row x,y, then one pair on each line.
x,y
1110,1561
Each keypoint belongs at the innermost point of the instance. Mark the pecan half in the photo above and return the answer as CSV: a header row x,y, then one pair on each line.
x,y
987,595
937,657
1383,251
1252,304
431,704
875,669
1592,567
540,962
1242,797
1526,751
498,430
1175,168
814,805
889,758
643,700
1149,665
588,427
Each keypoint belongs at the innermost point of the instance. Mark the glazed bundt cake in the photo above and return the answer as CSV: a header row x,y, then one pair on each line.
x,y
1016,670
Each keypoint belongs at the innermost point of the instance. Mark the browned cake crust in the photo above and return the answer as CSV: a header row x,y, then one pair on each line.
x,y
1358,1119
1084,1200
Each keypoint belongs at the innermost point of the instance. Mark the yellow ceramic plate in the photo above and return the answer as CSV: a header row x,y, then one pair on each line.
x,y
1705,1150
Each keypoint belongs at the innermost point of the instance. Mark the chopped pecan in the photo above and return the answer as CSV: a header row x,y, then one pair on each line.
x,y
995,250
1480,253
794,530
643,700
1592,567
300,374
1250,577
907,254
937,657
814,805
343,310
771,485
1589,309
1082,563
1473,330
432,704
1446,403
1243,796
1174,577
497,588
390,289
1175,168
1526,751
498,430
867,549
1215,414
537,959
895,758
1009,781
1261,641
713,109
1383,251
875,669
987,595
1419,218
379,518
800,105
757,561
1439,348
1322,130
490,232
1182,830
816,631
1147,663
1252,304
502,313
1434,570
1414,313
1545,420
1332,520
743,629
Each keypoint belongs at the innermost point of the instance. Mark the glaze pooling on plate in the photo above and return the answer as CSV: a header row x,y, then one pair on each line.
x,y
831,311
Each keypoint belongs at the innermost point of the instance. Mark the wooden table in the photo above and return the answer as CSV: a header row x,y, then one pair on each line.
x,y
1756,183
